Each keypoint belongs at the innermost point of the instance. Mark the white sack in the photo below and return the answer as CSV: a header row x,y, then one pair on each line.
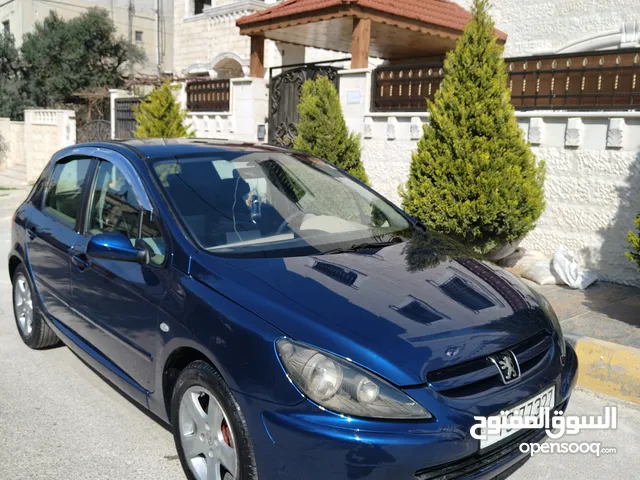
x,y
566,266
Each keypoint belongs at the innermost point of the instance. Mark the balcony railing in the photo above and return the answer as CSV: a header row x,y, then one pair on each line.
x,y
208,95
588,81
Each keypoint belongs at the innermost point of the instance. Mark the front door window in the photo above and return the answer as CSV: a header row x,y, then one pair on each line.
x,y
115,209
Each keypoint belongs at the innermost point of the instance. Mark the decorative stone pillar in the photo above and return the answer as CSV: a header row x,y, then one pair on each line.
x,y
355,89
249,108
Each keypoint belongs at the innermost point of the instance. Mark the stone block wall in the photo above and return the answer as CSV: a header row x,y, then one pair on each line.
x,y
547,26
33,142
592,187
248,110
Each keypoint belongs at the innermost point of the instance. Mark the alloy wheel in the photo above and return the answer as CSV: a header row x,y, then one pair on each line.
x,y
206,436
23,305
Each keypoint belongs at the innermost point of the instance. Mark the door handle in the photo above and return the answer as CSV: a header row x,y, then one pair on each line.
x,y
78,259
32,232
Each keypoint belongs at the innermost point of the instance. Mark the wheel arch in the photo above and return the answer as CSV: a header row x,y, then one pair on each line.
x,y
14,262
176,361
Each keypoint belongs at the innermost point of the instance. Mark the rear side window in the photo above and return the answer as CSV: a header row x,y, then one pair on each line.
x,y
64,196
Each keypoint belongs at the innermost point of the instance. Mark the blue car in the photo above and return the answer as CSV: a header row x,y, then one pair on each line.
x,y
286,321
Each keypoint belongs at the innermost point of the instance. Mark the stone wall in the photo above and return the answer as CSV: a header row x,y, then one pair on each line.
x,y
33,142
198,39
204,39
593,172
548,26
592,186
248,110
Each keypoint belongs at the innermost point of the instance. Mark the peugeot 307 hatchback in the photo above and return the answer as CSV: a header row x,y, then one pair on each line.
x,y
285,320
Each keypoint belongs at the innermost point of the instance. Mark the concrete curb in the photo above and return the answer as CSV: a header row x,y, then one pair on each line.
x,y
608,368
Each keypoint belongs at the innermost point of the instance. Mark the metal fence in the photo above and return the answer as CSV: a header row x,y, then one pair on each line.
x,y
208,95
588,81
125,119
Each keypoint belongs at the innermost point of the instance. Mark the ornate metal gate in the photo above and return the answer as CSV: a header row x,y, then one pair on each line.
x,y
284,96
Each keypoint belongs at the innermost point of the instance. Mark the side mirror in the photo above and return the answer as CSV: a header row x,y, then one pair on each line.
x,y
116,246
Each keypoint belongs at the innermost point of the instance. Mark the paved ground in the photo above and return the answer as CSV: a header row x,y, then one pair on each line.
x,y
604,310
59,420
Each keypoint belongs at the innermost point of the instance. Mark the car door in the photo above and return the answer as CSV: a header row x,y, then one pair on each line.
x,y
52,231
117,301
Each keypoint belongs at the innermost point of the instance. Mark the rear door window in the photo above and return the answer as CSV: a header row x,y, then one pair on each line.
x,y
64,195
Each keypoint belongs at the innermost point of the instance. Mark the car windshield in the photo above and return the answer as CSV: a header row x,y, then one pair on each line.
x,y
274,204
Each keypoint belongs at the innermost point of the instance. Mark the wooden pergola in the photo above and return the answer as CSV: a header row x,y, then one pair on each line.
x,y
389,29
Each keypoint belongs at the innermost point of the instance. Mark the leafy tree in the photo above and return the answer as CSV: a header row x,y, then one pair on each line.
x,y
63,57
634,241
160,116
322,130
473,177
12,98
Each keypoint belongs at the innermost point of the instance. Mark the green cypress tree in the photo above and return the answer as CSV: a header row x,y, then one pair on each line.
x,y
322,130
634,240
160,116
473,177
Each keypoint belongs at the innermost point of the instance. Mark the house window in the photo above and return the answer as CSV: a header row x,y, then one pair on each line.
x,y
200,5
6,27
139,36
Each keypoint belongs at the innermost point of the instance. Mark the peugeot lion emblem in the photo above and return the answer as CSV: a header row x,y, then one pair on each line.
x,y
507,365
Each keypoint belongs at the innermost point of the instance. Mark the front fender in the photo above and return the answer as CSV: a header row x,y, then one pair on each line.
x,y
236,342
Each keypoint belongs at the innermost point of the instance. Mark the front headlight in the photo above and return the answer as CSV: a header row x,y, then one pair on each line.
x,y
551,314
342,387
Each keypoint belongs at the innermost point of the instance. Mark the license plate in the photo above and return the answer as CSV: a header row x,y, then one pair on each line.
x,y
531,408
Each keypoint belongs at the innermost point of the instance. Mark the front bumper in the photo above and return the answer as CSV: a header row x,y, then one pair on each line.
x,y
305,443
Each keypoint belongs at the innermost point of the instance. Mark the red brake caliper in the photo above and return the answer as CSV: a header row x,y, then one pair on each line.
x,y
226,434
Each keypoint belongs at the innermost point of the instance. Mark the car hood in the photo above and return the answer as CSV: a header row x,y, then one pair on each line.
x,y
401,311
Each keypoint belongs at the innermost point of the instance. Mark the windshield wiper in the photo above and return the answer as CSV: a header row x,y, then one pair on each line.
x,y
358,247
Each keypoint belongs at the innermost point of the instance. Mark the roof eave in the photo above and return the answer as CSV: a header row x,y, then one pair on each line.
x,y
340,11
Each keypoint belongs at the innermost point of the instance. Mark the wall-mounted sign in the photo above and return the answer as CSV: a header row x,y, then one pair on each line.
x,y
354,97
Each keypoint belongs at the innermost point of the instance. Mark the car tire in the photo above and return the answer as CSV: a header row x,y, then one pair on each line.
x,y
199,439
29,317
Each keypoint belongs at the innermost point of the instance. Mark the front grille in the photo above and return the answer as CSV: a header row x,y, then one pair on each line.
x,y
480,374
471,465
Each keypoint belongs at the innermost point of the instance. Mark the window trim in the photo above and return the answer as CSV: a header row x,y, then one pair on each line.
x,y
123,164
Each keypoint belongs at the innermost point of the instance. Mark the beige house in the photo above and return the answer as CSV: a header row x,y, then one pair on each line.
x,y
147,23
208,42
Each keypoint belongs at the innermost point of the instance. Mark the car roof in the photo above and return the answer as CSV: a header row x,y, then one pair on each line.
x,y
152,148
